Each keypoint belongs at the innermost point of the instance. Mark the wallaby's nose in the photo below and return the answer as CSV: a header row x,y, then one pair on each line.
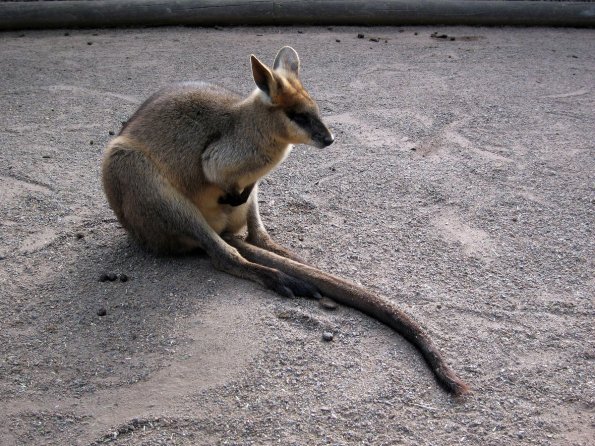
x,y
328,140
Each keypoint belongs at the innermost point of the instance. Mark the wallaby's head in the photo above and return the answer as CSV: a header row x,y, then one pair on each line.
x,y
295,115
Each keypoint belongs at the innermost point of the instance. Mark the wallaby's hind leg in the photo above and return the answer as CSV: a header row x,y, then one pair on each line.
x,y
166,221
147,205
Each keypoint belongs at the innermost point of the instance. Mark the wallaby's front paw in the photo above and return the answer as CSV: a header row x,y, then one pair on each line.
x,y
290,286
283,252
235,197
232,199
266,242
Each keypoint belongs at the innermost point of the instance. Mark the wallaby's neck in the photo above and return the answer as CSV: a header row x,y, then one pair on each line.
x,y
257,98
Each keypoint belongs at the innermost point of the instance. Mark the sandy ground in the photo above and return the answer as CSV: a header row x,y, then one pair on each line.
x,y
460,187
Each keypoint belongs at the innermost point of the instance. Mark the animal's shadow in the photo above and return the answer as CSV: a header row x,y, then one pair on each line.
x,y
112,319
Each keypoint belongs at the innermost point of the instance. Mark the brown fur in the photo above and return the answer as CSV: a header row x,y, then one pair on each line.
x,y
184,172
291,93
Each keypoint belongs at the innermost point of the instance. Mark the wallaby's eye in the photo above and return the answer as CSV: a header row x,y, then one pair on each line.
x,y
300,119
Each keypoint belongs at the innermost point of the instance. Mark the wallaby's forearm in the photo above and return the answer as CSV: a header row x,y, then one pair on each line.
x,y
258,235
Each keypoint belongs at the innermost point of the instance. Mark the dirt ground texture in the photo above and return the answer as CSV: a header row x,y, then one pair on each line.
x,y
460,186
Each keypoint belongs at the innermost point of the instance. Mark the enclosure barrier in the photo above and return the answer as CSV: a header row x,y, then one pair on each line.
x,y
121,13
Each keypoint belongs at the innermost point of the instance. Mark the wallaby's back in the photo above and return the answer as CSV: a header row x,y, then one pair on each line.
x,y
178,122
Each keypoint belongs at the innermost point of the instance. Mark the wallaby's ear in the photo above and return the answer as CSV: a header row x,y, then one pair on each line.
x,y
288,59
263,76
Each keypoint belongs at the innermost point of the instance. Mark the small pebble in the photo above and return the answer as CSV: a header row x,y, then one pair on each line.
x,y
360,36
123,278
89,43
103,278
373,39
338,40
66,34
101,312
91,142
327,336
79,235
111,132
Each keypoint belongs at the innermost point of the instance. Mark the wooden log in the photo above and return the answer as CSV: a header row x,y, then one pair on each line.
x,y
119,13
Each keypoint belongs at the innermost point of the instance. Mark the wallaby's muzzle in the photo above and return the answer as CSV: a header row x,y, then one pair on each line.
x,y
321,135
328,140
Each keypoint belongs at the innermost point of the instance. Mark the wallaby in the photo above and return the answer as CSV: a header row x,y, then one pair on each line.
x,y
183,174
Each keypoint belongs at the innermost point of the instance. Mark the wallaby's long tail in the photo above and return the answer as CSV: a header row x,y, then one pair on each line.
x,y
355,296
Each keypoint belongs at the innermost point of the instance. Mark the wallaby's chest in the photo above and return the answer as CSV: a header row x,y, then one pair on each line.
x,y
233,164
260,170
